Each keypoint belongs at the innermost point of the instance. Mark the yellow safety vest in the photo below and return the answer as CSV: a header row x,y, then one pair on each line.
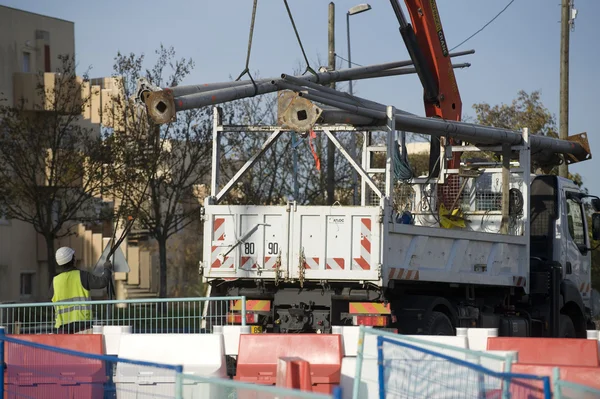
x,y
68,288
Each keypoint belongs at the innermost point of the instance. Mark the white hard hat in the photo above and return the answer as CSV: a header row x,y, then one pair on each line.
x,y
64,255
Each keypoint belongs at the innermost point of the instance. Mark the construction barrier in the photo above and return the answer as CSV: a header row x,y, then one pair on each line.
x,y
160,315
294,373
39,373
35,369
199,354
407,370
553,351
236,389
260,353
563,389
576,376
477,337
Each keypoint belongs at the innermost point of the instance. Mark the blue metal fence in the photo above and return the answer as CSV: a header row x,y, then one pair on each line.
x,y
409,371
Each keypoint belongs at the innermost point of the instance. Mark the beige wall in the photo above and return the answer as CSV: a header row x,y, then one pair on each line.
x,y
22,32
22,250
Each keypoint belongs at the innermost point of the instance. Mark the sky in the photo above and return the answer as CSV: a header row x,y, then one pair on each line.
x,y
519,50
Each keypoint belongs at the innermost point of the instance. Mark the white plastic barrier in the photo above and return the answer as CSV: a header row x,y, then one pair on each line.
x,y
477,337
594,335
349,338
231,337
199,354
111,335
369,380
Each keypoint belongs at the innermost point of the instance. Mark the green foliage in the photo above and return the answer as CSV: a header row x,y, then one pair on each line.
x,y
525,111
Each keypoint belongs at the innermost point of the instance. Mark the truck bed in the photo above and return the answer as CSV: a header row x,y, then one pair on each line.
x,y
344,243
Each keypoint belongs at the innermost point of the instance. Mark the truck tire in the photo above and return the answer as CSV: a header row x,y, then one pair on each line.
x,y
567,328
439,324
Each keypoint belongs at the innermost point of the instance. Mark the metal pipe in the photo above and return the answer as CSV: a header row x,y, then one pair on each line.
x,y
338,95
179,91
338,116
403,71
330,93
459,130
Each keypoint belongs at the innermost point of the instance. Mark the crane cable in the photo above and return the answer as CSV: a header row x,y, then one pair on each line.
x,y
246,70
308,67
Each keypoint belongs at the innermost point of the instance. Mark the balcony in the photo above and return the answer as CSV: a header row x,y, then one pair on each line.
x,y
94,100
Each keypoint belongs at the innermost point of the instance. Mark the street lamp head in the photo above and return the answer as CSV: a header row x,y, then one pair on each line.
x,y
359,8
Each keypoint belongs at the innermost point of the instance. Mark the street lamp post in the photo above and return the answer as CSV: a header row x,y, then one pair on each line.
x,y
353,11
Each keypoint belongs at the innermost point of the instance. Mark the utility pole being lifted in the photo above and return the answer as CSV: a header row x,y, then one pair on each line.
x,y
330,146
567,16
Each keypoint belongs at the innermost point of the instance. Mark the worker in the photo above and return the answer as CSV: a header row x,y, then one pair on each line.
x,y
74,285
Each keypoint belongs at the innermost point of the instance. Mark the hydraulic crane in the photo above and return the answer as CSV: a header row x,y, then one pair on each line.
x,y
428,49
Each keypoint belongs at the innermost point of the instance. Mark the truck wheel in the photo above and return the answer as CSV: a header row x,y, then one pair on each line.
x,y
567,328
439,324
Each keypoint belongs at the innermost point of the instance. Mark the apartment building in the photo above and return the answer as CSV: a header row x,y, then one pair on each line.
x,y
29,44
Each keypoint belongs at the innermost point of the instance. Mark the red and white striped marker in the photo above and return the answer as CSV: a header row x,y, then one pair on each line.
x,y
311,263
364,261
219,235
336,263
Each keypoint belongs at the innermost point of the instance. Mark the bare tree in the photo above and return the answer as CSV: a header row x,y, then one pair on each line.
x,y
162,165
51,164
271,179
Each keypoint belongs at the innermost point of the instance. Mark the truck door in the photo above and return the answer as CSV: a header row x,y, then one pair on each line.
x,y
577,265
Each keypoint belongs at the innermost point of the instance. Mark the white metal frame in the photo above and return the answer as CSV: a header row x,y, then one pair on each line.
x,y
385,225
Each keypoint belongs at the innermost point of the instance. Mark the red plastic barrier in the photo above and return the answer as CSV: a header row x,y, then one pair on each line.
x,y
589,376
294,373
550,351
37,373
259,355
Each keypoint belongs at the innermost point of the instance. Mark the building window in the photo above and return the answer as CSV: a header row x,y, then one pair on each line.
x,y
27,284
26,62
575,222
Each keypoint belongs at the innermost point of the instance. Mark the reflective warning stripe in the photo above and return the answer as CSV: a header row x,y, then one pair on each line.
x,y
368,308
403,274
219,235
254,305
311,263
270,262
248,262
74,299
62,309
335,263
364,261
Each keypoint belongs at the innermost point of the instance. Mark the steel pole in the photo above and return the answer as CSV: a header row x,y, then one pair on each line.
x,y
458,130
353,134
179,91
563,169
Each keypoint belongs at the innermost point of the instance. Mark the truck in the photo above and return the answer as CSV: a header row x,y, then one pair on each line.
x,y
478,241
479,246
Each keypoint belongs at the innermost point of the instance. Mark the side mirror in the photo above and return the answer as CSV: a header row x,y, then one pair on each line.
x,y
596,204
596,226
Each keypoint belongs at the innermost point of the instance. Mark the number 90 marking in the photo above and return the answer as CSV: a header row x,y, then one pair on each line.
x,y
273,248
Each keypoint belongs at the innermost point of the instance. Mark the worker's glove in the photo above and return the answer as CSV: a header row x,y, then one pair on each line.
x,y
108,265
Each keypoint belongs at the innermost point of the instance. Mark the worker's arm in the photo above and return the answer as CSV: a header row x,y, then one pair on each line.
x,y
92,282
51,291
